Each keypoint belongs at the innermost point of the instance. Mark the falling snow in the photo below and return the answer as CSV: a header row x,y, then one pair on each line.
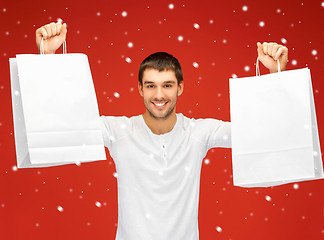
x,y
98,204
293,62
244,8
171,6
128,60
314,52
196,25
130,44
60,208
219,229
268,198
116,94
206,161
296,186
246,68
283,40
180,38
261,24
124,14
195,64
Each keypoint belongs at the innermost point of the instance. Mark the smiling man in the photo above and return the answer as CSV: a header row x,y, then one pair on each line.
x,y
158,154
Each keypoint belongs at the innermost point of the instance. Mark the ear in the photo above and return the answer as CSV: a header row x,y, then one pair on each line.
x,y
180,88
140,88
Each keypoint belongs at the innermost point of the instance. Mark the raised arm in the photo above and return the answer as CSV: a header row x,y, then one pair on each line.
x,y
269,53
54,35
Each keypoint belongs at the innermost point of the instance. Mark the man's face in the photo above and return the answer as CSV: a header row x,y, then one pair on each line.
x,y
160,91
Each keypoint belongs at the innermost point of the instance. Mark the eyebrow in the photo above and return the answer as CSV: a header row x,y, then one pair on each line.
x,y
150,82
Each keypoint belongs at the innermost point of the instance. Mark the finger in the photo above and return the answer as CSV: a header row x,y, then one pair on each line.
x,y
64,29
275,48
58,28
48,30
265,48
43,33
280,50
53,28
270,46
259,49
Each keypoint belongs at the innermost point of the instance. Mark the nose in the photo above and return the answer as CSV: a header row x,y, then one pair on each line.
x,y
159,93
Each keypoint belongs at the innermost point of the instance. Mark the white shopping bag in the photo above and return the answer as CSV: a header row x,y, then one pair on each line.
x,y
274,130
55,110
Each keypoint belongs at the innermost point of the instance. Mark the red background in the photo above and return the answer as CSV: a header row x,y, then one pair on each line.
x,y
29,198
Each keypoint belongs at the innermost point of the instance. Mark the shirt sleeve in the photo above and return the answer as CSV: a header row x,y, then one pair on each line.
x,y
106,132
220,135
213,133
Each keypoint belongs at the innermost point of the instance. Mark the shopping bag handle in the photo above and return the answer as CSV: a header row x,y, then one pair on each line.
x,y
41,48
258,69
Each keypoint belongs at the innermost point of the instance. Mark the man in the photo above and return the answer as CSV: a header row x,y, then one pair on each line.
x,y
158,154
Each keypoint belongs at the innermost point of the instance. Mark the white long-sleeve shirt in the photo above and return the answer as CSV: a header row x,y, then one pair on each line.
x,y
158,176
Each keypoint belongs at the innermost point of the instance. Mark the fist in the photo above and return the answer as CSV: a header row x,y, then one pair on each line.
x,y
54,34
269,53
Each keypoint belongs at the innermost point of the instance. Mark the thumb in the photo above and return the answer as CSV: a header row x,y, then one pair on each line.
x,y
260,50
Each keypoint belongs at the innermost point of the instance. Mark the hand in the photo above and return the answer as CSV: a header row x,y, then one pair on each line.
x,y
54,35
268,53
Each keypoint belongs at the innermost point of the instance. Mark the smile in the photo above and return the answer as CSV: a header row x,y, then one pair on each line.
x,y
159,104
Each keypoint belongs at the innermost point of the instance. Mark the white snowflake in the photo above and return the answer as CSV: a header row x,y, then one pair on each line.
x,y
128,60
116,94
296,186
196,25
314,52
98,13
124,13
115,175
268,198
322,4
98,204
130,44
206,161
261,24
171,6
234,75
247,68
180,38
4,10
219,229
244,8
60,208
195,64
283,40
293,62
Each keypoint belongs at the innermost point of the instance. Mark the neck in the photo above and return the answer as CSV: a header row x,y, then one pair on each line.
x,y
160,126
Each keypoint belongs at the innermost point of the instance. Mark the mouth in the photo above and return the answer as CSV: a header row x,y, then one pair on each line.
x,y
159,105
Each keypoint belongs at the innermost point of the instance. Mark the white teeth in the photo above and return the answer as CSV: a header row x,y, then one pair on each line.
x,y
159,104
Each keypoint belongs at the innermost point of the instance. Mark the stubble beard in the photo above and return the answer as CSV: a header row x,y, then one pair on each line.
x,y
165,116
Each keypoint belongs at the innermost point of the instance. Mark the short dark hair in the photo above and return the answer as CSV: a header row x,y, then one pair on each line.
x,y
161,61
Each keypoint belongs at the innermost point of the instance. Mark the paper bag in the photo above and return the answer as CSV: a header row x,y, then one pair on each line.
x,y
274,130
55,110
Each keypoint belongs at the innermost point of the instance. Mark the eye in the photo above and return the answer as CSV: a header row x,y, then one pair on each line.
x,y
167,85
150,86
